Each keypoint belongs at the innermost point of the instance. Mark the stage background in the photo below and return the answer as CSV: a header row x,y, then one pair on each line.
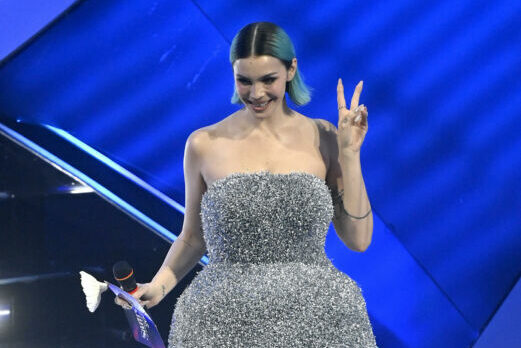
x,y
441,159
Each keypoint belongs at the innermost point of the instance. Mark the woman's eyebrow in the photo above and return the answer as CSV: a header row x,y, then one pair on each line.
x,y
267,75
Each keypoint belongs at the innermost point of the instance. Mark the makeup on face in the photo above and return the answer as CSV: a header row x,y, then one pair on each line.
x,y
260,82
261,104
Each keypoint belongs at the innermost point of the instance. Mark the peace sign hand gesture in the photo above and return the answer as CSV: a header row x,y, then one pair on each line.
x,y
352,123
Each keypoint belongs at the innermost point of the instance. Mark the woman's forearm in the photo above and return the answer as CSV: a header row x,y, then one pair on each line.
x,y
355,202
183,255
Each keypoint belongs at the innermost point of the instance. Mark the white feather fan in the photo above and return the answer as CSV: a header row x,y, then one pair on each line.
x,y
92,289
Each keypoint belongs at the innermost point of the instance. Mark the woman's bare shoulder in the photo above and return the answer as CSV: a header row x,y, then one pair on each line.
x,y
325,125
216,129
205,134
324,128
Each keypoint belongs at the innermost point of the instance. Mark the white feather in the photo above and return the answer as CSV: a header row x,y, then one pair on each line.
x,y
92,289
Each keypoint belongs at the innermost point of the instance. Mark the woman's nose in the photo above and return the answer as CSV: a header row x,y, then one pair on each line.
x,y
256,91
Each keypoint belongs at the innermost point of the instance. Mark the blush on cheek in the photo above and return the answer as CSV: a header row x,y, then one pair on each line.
x,y
241,91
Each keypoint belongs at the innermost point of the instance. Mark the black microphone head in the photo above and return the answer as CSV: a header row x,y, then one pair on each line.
x,y
124,274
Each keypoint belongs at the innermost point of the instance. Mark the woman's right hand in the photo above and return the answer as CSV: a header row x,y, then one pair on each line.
x,y
148,295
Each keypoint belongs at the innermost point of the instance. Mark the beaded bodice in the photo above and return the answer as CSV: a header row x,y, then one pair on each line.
x,y
264,217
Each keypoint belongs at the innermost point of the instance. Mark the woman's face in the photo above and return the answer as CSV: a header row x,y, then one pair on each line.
x,y
261,82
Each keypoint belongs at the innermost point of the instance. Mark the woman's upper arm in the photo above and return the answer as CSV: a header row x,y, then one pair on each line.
x,y
328,133
194,187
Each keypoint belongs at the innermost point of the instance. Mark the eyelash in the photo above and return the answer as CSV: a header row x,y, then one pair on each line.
x,y
268,81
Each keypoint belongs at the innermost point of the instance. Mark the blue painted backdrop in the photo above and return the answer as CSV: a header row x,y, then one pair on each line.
x,y
441,160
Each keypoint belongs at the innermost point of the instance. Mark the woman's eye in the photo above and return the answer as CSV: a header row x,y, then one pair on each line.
x,y
267,81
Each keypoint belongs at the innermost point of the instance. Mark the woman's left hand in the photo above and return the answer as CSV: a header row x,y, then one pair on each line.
x,y
352,123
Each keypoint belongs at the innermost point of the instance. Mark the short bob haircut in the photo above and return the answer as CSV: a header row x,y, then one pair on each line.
x,y
265,38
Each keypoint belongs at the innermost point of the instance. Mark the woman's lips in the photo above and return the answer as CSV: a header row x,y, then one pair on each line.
x,y
256,107
262,102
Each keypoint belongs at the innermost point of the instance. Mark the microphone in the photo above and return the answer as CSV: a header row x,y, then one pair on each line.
x,y
124,274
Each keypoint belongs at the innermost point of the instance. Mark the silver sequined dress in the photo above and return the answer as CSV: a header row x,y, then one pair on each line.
x,y
269,282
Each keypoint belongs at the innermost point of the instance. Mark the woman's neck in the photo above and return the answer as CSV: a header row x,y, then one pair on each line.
x,y
268,124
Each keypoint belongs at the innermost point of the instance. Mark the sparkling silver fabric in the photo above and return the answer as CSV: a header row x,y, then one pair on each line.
x,y
269,282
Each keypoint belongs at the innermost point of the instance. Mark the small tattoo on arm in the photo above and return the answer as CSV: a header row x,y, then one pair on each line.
x,y
184,241
337,201
164,290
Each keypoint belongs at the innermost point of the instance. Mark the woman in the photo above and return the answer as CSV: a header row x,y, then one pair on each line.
x,y
262,186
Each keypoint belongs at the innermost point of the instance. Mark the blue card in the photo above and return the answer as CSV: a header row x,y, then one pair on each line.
x,y
143,328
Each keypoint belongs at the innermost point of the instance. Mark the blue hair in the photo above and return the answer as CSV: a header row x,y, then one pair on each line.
x,y
265,38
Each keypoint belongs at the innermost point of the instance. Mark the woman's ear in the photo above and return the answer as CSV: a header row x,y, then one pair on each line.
x,y
292,69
